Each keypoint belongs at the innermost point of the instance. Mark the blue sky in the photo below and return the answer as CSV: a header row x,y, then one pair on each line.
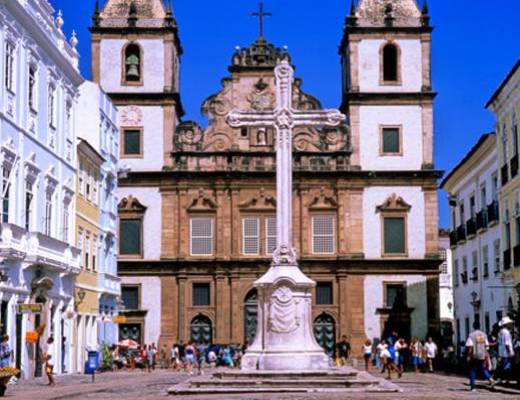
x,y
475,44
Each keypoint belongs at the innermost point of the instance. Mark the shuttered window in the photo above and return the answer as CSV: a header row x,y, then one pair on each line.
x,y
324,293
323,234
394,232
130,236
270,235
201,294
130,297
201,236
251,236
390,139
131,142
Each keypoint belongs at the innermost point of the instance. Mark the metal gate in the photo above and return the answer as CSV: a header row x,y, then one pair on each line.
x,y
200,330
325,333
250,316
130,331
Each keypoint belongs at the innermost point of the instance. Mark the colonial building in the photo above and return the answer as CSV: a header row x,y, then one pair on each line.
x,y
505,104
446,302
89,163
98,126
39,86
475,238
197,204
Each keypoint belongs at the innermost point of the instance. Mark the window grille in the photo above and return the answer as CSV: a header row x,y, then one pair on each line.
x,y
201,236
323,235
270,235
250,236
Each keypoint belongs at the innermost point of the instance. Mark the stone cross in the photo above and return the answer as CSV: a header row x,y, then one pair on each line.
x,y
284,118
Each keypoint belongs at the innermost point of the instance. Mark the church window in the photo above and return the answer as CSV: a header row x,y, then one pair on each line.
x,y
324,293
270,235
323,234
251,236
201,234
132,142
32,88
395,295
130,236
394,235
390,63
130,297
9,66
201,294
132,68
391,140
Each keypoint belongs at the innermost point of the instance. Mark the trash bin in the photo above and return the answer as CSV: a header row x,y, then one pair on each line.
x,y
92,363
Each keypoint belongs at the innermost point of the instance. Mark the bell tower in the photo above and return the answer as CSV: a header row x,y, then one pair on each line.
x,y
135,59
387,90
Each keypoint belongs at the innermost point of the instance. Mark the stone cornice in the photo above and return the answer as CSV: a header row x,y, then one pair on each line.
x,y
386,98
148,99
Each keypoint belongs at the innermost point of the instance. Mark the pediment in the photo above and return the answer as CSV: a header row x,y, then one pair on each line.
x,y
394,203
202,203
131,204
262,202
323,202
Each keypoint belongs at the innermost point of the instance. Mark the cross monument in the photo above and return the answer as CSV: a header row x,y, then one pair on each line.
x,y
285,337
261,14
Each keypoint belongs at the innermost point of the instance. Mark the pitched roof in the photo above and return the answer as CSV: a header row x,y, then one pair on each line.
x,y
504,83
467,157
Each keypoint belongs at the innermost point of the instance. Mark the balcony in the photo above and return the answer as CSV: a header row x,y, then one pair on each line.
x,y
492,213
109,284
504,175
474,274
507,259
461,234
516,256
453,238
482,220
464,277
471,227
514,166
35,248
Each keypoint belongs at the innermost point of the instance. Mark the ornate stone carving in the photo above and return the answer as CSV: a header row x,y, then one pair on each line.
x,y
394,203
323,201
283,317
202,203
262,202
261,98
188,136
130,203
132,116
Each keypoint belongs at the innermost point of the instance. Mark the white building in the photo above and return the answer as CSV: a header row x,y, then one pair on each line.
x,y
97,124
475,239
39,79
446,288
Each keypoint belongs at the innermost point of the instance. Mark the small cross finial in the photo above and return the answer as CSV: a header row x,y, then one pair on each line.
x,y
261,14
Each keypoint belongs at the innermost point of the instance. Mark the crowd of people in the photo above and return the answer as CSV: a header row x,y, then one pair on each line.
x,y
189,357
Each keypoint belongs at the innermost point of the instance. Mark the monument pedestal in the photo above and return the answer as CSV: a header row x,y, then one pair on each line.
x,y
285,339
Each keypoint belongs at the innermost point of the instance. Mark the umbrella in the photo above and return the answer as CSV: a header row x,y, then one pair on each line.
x,y
129,343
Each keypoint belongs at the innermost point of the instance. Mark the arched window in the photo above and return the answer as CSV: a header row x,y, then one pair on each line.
x,y
390,63
132,71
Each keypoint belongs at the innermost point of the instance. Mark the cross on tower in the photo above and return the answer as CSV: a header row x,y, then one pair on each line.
x,y
261,14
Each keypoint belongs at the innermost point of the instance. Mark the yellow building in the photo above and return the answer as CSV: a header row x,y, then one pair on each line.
x,y
87,240
505,104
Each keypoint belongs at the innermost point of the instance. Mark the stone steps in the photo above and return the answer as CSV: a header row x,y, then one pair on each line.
x,y
340,380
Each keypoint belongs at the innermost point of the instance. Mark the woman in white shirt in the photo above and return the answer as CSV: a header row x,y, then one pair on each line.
x,y
431,352
49,361
367,354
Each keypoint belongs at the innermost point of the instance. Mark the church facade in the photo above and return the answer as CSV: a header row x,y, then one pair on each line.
x,y
197,204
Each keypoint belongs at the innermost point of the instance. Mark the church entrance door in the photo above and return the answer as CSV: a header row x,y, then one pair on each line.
x,y
325,333
201,330
250,316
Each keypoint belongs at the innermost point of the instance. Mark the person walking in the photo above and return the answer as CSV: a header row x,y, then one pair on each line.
x,y
477,347
400,350
505,349
343,350
389,356
431,352
5,352
379,348
416,350
49,361
190,354
367,354
150,358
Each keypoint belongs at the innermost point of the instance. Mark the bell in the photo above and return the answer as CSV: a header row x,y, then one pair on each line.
x,y
133,72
